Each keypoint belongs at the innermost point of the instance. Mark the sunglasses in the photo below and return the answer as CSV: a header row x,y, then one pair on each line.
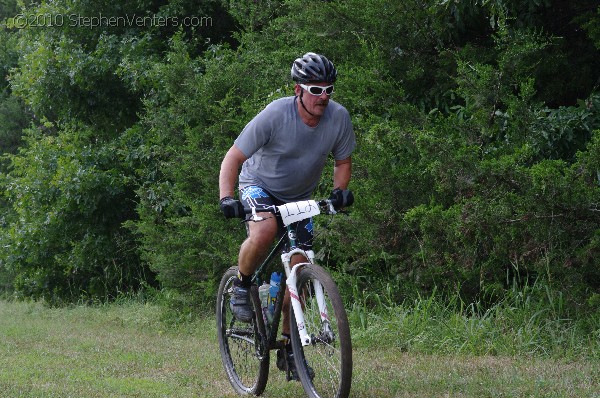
x,y
318,90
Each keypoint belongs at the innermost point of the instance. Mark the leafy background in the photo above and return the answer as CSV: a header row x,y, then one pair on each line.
x,y
477,167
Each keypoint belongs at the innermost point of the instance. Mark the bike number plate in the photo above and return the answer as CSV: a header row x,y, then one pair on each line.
x,y
297,211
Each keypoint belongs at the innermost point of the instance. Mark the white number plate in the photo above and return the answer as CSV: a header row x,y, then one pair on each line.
x,y
296,211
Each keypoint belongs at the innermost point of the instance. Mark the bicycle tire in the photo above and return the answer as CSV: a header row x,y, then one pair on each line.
x,y
247,369
330,353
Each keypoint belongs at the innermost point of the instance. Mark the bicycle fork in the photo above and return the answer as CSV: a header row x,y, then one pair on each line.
x,y
292,275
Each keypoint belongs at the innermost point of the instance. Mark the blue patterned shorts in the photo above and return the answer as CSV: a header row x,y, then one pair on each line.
x,y
255,196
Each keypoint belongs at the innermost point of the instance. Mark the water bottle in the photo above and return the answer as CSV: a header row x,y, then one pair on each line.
x,y
263,294
273,290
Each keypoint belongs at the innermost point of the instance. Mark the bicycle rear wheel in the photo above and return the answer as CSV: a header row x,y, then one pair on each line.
x,y
330,352
246,362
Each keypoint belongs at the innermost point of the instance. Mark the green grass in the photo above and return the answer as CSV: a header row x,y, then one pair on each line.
x,y
529,322
126,350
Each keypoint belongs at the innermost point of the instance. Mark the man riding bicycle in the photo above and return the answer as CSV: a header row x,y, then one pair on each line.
x,y
283,151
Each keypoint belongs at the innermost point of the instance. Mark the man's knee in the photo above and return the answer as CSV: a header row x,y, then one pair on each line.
x,y
263,233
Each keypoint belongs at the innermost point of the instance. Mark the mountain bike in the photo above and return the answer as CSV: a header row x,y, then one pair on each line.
x,y
320,334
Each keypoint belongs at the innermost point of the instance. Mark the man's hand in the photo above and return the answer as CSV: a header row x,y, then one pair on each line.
x,y
341,198
232,208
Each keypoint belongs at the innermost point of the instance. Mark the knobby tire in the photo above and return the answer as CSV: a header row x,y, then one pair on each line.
x,y
246,370
330,354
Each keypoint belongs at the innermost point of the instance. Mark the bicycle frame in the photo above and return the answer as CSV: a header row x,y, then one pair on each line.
x,y
291,277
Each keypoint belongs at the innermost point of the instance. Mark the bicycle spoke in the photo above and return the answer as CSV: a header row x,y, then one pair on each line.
x,y
324,357
243,356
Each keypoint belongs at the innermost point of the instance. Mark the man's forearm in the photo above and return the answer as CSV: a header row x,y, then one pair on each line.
x,y
227,178
229,171
342,172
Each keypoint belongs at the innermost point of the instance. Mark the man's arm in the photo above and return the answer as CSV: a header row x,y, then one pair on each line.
x,y
342,172
229,171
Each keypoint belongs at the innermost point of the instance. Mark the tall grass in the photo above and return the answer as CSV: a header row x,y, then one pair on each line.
x,y
528,321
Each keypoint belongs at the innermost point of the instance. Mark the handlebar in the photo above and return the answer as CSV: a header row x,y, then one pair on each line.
x,y
325,206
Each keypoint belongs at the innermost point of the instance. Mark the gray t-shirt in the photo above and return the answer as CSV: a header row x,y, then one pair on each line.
x,y
285,156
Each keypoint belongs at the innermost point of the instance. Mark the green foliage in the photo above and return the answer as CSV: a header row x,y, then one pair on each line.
x,y
70,199
592,25
180,136
13,119
88,75
490,217
476,167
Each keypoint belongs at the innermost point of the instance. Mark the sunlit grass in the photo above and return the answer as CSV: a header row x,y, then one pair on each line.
x,y
127,350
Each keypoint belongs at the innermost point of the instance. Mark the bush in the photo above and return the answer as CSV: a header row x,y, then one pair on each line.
x,y
70,198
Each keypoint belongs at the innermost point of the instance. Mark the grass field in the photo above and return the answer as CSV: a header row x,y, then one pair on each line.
x,y
126,350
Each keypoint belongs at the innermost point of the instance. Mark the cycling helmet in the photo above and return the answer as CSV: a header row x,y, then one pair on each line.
x,y
313,68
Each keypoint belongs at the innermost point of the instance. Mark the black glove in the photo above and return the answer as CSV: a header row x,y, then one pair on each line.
x,y
232,208
341,198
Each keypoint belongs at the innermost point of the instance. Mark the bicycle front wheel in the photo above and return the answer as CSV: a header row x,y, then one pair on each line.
x,y
245,360
325,365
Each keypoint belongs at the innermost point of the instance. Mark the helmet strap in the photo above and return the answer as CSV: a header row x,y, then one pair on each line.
x,y
302,103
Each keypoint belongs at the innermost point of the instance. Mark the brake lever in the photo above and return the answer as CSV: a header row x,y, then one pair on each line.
x,y
332,210
255,217
327,207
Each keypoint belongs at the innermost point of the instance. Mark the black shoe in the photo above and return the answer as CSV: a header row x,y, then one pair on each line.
x,y
240,304
286,363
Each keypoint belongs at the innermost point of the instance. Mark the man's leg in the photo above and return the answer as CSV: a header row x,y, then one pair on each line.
x,y
256,246
254,249
252,252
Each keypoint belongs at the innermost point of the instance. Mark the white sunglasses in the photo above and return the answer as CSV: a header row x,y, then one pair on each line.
x,y
318,90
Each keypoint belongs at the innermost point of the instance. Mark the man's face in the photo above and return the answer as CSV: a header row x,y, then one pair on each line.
x,y
315,104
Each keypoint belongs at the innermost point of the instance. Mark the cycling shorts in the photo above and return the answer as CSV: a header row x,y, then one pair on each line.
x,y
260,198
